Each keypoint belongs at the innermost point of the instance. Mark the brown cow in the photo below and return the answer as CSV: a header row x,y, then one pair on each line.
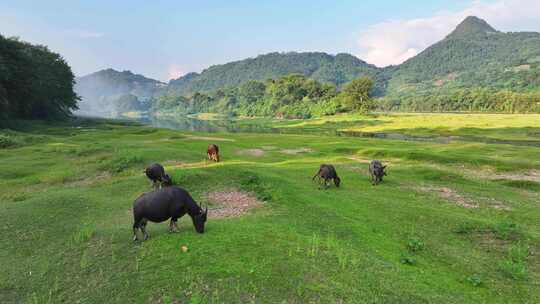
x,y
213,152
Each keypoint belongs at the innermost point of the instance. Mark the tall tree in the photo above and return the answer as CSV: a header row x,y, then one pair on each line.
x,y
356,95
34,82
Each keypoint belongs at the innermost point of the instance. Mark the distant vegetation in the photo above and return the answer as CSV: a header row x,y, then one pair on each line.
x,y
35,83
338,70
107,92
291,96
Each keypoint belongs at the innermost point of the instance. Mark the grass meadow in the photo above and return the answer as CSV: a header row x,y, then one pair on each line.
x,y
452,222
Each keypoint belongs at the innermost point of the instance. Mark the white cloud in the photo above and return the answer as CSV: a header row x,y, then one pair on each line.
x,y
394,41
84,34
174,71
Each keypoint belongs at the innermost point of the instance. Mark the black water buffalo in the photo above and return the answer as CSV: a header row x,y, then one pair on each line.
x,y
326,173
213,152
156,173
165,203
377,171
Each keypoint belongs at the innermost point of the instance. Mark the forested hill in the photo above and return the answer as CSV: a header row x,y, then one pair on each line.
x,y
109,90
338,69
474,55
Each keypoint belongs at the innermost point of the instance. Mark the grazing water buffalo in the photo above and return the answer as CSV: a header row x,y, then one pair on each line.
x,y
376,170
213,152
156,174
165,203
326,173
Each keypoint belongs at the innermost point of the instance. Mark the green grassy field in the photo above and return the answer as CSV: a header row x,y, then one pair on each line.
x,y
451,223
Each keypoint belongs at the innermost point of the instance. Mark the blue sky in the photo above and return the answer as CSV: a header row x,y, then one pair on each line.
x,y
163,39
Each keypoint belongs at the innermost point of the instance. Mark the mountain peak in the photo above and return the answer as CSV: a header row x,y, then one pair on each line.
x,y
472,25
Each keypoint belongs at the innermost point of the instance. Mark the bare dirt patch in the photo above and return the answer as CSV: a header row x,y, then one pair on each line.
x,y
532,175
495,204
363,170
89,181
231,203
296,151
251,152
488,241
490,174
450,195
209,138
359,159
175,163
268,148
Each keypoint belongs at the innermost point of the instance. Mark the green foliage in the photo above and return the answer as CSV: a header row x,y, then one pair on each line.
x,y
507,230
414,244
408,259
356,95
291,96
463,99
8,141
122,161
475,281
323,67
515,266
35,83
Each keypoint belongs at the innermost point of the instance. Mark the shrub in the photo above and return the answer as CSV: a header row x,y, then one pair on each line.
x,y
415,245
122,162
9,141
407,259
475,281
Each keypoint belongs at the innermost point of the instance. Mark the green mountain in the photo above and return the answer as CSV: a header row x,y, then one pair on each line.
x,y
338,69
106,92
473,55
463,71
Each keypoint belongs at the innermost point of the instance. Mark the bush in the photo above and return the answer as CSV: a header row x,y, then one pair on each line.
x,y
514,266
122,162
8,142
415,245
407,260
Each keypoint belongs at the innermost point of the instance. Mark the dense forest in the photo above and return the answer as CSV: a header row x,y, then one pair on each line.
x,y
35,83
338,69
291,96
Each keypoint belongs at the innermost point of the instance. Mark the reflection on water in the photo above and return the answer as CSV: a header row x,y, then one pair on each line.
x,y
225,125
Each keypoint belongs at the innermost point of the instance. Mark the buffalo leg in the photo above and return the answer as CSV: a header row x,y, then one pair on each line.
x,y
135,238
172,226
142,226
136,224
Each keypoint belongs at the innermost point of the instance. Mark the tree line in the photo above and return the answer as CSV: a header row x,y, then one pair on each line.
x,y
466,100
291,96
35,83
